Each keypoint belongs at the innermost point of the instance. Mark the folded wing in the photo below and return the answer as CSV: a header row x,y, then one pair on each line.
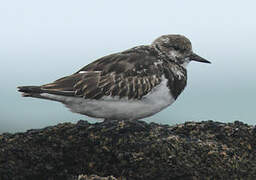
x,y
131,74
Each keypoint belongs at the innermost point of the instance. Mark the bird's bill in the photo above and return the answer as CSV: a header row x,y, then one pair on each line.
x,y
195,57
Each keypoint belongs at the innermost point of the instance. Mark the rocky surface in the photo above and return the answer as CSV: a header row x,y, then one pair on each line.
x,y
95,177
130,150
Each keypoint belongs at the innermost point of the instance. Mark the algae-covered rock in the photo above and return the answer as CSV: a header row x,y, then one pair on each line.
x,y
130,150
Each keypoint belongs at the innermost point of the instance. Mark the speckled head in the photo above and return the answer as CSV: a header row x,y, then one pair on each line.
x,y
177,48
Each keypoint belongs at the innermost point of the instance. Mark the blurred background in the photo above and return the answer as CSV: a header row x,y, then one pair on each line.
x,y
41,41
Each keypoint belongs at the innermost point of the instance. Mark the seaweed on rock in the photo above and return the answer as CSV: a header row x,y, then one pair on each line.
x,y
131,150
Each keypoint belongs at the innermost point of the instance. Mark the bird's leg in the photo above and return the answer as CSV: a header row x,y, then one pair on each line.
x,y
137,122
108,122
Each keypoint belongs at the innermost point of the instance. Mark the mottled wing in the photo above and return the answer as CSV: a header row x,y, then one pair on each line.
x,y
132,74
117,85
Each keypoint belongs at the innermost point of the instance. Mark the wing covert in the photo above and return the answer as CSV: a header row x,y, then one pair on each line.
x,y
131,74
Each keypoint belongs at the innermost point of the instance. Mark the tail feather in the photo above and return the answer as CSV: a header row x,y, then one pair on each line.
x,y
63,86
35,91
28,91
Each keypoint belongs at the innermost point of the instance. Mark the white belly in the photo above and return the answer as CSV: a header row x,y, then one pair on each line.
x,y
119,109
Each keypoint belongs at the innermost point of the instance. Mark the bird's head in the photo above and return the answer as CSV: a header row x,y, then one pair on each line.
x,y
178,48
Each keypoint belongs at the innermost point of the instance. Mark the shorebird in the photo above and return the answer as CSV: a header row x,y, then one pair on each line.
x,y
129,85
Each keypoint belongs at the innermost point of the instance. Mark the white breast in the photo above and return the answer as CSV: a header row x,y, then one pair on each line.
x,y
119,109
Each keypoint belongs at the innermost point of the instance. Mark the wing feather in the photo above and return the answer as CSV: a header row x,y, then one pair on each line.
x,y
131,74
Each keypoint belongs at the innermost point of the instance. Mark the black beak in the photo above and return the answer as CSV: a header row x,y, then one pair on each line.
x,y
195,57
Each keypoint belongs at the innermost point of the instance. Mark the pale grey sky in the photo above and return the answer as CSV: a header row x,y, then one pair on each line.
x,y
41,41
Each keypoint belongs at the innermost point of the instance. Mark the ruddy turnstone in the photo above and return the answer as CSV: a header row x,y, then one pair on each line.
x,y
128,85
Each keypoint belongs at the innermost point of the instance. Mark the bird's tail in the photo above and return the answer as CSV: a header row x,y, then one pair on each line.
x,y
45,92
39,92
30,91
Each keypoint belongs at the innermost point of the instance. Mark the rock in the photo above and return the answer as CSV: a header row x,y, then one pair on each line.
x,y
130,150
95,177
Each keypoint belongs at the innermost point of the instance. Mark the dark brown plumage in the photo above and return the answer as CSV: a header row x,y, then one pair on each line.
x,y
131,74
